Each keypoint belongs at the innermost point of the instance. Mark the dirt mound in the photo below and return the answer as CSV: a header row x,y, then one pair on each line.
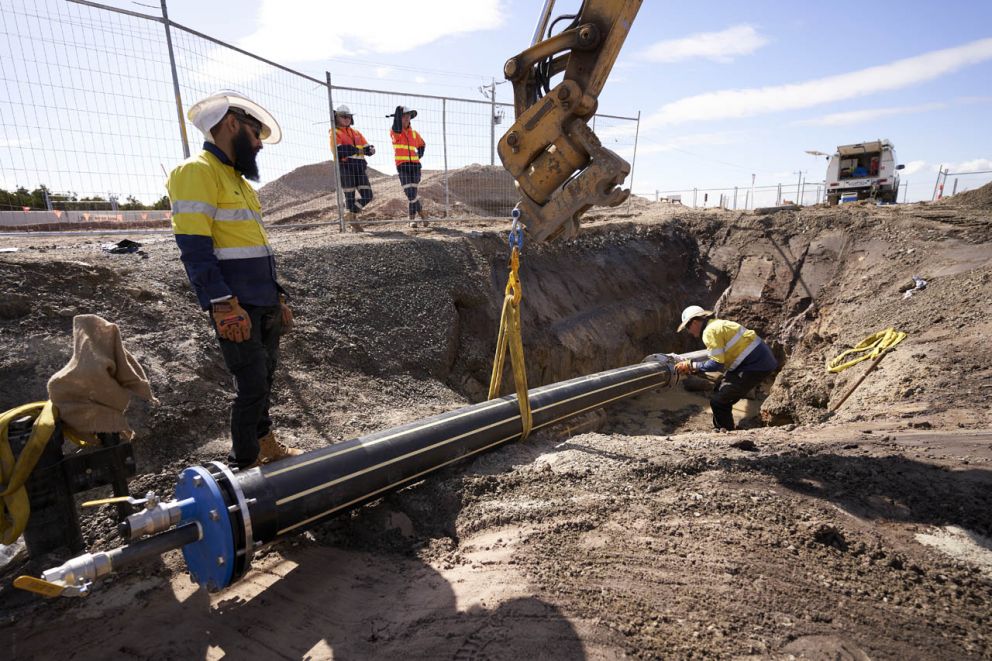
x,y
308,193
484,190
303,187
979,198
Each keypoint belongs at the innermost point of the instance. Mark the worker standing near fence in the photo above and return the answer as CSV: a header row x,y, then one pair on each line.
x,y
738,352
352,148
217,221
408,148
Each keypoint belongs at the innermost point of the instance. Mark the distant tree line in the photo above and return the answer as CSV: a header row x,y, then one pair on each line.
x,y
36,201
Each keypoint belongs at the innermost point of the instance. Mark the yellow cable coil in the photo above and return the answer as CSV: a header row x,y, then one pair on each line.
x,y
872,346
509,335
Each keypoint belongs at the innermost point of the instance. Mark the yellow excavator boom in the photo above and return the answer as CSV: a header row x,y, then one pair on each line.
x,y
559,164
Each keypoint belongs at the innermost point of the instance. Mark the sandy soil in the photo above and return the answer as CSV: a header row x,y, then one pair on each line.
x,y
632,532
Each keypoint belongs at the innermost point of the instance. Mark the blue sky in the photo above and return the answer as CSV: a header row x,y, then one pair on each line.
x,y
725,89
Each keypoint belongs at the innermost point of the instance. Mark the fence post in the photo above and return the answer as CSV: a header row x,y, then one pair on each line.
x,y
175,80
655,194
747,200
633,159
735,198
492,124
940,171
444,137
334,156
778,196
954,190
694,198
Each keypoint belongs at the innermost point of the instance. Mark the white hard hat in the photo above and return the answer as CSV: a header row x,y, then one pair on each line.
x,y
343,110
206,113
691,313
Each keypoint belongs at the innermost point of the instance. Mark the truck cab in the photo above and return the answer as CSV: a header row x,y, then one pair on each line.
x,y
867,170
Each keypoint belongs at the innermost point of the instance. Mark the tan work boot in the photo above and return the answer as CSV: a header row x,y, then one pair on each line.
x,y
269,450
350,219
423,217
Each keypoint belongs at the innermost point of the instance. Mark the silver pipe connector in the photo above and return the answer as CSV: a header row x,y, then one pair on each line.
x,y
78,574
153,520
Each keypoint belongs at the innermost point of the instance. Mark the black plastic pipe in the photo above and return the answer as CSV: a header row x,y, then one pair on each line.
x,y
295,494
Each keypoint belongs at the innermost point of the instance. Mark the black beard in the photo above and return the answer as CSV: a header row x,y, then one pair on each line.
x,y
244,155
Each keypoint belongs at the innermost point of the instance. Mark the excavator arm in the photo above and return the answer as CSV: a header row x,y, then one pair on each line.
x,y
559,164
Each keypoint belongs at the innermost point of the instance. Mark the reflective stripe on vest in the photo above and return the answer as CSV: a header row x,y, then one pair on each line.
x,y
247,252
733,351
406,151
744,354
734,340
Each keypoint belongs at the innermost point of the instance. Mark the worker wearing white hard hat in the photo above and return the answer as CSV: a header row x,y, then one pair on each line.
x,y
217,222
351,148
738,352
207,113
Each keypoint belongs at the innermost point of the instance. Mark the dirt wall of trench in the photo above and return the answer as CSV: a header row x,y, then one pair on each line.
x,y
394,321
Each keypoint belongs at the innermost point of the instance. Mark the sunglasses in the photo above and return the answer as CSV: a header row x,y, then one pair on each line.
x,y
253,124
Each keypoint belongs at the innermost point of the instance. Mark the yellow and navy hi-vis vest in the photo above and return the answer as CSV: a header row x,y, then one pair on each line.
x,y
217,221
729,343
405,145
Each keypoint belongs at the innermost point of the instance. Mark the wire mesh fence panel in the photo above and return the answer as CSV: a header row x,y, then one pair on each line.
x,y
296,175
90,121
86,115
372,118
462,176
962,182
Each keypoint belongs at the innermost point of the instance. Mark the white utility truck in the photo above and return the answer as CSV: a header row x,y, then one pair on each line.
x,y
867,170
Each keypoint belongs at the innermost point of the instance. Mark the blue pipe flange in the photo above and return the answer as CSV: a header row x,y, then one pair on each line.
x,y
241,525
211,559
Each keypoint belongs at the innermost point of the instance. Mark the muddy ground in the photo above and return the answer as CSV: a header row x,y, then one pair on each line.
x,y
636,531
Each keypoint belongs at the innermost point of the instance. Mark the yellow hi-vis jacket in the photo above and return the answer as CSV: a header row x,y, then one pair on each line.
x,y
729,343
217,221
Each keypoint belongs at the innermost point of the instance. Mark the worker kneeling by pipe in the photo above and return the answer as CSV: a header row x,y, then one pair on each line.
x,y
738,352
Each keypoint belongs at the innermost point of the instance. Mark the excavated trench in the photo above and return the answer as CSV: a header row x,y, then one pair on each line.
x,y
431,308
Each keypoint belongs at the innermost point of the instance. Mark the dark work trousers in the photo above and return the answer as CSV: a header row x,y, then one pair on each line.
x,y
410,179
731,389
253,365
355,179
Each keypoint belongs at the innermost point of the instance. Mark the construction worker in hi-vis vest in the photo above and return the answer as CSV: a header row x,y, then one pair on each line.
x,y
408,148
738,352
352,148
217,222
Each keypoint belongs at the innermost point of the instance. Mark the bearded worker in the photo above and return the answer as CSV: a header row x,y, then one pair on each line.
x,y
217,222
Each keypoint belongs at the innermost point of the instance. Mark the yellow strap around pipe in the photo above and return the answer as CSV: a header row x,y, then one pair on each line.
x,y
871,347
510,335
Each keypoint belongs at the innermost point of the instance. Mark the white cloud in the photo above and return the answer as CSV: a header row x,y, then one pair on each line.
x,y
974,165
420,80
727,104
720,46
312,30
383,72
867,115
913,167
